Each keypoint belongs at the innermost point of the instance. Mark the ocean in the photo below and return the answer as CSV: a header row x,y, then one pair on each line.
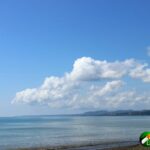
x,y
48,131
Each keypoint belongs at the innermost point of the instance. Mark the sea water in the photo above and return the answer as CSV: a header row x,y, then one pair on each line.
x,y
43,131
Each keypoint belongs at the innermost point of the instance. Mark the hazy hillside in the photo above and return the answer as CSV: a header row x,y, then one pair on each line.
x,y
118,113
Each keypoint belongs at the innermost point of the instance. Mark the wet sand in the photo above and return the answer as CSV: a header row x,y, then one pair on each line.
x,y
133,147
109,146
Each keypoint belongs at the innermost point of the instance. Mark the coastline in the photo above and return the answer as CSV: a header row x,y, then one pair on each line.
x,y
96,146
131,147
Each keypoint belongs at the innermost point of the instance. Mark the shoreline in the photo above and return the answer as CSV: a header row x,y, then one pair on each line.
x,y
131,147
92,146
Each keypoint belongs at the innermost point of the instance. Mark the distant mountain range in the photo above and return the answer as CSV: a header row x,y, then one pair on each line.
x,y
118,113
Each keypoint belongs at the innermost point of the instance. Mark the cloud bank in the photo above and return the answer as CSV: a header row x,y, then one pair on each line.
x,y
91,84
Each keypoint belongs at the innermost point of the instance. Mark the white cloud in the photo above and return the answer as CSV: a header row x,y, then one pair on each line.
x,y
128,99
53,89
86,68
142,72
90,84
107,88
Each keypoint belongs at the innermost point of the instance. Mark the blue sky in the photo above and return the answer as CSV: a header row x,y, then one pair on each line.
x,y
39,39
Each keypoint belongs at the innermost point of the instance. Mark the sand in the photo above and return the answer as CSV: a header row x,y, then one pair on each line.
x,y
134,147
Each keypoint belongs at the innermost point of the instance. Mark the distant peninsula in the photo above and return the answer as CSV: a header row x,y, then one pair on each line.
x,y
118,113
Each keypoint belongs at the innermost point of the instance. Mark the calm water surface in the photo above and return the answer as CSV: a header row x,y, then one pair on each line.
x,y
63,130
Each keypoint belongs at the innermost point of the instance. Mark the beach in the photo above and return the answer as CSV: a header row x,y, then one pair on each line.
x,y
135,147
96,147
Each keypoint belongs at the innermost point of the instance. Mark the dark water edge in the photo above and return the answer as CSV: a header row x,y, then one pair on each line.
x,y
89,146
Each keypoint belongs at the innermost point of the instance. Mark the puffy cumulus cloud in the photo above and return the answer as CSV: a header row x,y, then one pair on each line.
x,y
52,90
90,84
142,72
128,99
63,92
107,88
86,68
